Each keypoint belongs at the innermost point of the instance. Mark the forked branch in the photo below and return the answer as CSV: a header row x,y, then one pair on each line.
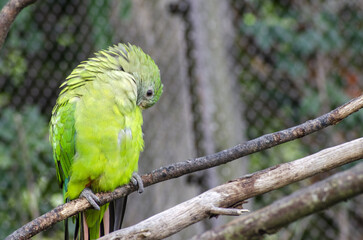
x,y
179,169
317,197
237,191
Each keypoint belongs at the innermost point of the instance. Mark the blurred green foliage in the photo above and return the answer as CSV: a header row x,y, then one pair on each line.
x,y
15,67
286,41
48,38
16,64
27,176
98,14
302,62
290,41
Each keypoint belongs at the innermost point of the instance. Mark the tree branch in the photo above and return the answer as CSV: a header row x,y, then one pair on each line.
x,y
235,192
179,169
8,14
314,198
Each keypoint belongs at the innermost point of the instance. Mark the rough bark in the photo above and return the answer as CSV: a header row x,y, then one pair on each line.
x,y
270,219
179,169
237,191
8,14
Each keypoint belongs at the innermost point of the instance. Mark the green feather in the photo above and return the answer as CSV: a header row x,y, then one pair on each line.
x,y
95,129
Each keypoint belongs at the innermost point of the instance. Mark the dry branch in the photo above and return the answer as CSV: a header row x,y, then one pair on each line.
x,y
233,193
317,197
8,14
179,169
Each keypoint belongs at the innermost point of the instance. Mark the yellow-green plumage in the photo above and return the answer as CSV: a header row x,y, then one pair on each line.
x,y
95,129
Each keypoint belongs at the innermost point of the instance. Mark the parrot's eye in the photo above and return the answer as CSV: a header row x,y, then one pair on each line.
x,y
149,93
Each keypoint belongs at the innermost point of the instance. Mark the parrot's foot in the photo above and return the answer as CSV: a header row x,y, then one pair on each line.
x,y
91,198
137,181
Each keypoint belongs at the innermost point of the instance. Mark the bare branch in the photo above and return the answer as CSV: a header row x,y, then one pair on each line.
x,y
233,193
179,169
226,211
258,144
8,15
270,219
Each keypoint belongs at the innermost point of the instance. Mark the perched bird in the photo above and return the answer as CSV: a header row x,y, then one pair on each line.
x,y
95,128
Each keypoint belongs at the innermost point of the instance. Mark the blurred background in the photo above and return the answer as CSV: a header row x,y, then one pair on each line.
x,y
232,71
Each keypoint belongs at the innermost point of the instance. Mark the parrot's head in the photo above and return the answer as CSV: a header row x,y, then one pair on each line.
x,y
149,92
132,60
120,62
146,74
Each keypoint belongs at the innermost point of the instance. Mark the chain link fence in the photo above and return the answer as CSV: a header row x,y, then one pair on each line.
x,y
232,70
297,60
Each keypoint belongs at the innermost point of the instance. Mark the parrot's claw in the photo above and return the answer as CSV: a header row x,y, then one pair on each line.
x,y
137,181
91,198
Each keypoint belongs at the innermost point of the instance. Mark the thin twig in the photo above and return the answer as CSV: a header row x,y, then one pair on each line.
x,y
8,14
258,144
179,169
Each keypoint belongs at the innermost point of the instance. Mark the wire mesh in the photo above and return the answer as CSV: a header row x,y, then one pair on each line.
x,y
234,70
297,60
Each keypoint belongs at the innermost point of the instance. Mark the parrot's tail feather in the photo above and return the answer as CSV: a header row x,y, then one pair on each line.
x,y
85,231
117,213
79,229
66,231
105,223
76,228
112,220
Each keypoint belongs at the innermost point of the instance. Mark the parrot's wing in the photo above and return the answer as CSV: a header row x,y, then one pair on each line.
x,y
62,137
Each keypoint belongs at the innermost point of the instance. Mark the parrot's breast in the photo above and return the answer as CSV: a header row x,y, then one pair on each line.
x,y
108,143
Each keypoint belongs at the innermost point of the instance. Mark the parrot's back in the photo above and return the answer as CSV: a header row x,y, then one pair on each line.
x,y
95,129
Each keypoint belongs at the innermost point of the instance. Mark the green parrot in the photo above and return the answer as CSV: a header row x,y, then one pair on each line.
x,y
95,128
